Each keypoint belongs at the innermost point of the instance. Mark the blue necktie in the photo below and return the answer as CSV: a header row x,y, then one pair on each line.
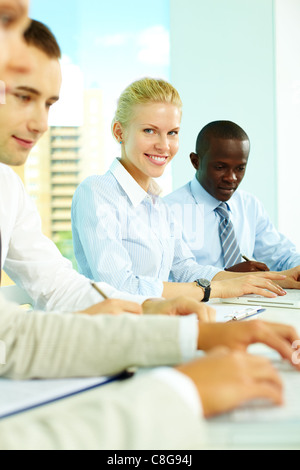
x,y
231,250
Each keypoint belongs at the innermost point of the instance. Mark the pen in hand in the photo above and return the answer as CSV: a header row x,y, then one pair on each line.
x,y
258,266
94,285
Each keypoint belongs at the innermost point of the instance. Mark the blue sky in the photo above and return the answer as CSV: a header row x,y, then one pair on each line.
x,y
113,42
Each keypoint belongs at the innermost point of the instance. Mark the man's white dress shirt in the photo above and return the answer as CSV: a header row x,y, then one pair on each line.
x,y
33,261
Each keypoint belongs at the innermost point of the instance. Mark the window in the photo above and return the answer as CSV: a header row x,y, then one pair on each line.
x,y
105,46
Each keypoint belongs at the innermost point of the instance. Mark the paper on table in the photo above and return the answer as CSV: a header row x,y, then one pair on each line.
x,y
20,395
225,311
222,311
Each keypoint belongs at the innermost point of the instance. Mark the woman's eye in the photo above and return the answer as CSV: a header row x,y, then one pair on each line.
x,y
148,131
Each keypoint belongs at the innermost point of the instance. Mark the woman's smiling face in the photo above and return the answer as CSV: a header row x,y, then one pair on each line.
x,y
150,141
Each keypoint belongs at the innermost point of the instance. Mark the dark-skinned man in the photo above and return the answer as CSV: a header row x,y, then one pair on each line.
x,y
223,224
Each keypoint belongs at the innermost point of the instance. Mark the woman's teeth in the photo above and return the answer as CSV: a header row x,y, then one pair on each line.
x,y
158,159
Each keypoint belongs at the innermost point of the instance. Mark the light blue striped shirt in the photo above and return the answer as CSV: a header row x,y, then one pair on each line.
x,y
255,233
129,238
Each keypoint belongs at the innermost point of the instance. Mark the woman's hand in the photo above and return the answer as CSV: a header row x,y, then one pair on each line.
x,y
180,306
258,283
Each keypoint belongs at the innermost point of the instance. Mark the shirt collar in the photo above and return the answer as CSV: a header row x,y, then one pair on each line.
x,y
133,190
201,196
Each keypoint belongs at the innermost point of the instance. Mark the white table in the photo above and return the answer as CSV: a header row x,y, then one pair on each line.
x,y
262,430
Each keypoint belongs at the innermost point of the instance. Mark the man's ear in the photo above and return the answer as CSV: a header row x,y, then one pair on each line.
x,y
195,160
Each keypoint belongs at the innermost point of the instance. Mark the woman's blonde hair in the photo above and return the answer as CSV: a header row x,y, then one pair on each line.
x,y
146,90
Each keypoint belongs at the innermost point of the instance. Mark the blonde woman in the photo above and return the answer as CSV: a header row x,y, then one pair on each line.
x,y
123,232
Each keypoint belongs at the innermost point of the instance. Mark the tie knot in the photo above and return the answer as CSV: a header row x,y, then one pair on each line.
x,y
222,210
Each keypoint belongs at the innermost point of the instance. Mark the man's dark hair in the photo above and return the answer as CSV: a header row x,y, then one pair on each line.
x,y
218,130
40,36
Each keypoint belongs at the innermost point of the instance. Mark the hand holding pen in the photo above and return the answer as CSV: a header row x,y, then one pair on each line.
x,y
100,292
255,265
248,266
111,306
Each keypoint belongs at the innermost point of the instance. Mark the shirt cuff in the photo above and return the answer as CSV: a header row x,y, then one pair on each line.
x,y
209,272
183,386
188,336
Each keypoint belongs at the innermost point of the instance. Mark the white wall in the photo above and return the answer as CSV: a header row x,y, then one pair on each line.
x,y
222,63
288,116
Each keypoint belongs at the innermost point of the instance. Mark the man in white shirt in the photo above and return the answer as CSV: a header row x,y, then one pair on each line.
x,y
220,161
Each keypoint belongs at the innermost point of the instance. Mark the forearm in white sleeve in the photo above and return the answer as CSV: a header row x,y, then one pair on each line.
x,y
182,385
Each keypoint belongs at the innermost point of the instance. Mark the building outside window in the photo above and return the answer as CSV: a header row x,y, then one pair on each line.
x,y
105,47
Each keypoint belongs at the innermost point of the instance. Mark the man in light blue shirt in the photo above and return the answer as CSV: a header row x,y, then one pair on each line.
x,y
220,161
